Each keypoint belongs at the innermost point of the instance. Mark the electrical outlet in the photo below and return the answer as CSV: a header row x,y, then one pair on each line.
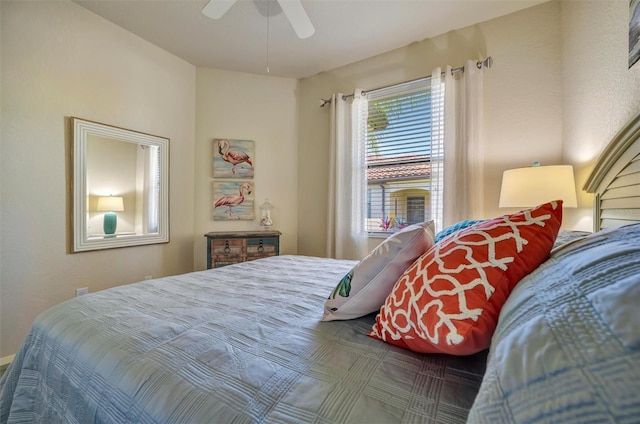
x,y
148,277
80,292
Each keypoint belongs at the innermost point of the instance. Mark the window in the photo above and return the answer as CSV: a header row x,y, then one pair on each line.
x,y
399,137
416,210
148,189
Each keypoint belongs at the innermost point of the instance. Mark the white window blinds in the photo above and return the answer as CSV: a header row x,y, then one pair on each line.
x,y
398,137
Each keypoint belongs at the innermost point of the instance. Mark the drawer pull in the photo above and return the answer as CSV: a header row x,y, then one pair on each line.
x,y
261,247
227,249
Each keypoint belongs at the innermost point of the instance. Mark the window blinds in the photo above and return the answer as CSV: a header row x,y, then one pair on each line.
x,y
398,152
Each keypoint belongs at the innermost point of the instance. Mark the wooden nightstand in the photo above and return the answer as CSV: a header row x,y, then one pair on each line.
x,y
232,247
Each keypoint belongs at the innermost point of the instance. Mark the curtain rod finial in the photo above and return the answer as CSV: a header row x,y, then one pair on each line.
x,y
486,63
324,102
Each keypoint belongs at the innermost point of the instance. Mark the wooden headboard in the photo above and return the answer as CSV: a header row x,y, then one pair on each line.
x,y
615,180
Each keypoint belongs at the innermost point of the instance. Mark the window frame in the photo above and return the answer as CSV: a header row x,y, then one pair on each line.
x,y
400,92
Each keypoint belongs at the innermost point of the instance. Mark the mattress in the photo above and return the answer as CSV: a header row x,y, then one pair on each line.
x,y
239,344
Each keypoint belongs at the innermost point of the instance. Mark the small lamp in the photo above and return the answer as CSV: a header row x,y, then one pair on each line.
x,y
110,205
265,208
532,186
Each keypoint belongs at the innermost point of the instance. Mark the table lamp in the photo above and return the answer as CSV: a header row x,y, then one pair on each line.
x,y
110,205
535,185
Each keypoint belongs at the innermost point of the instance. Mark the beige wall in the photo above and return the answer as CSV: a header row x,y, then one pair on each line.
x,y
600,92
523,103
59,60
248,107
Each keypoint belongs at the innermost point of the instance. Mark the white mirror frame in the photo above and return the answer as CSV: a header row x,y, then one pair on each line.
x,y
81,129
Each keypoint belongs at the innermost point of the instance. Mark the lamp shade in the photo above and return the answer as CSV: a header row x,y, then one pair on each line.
x,y
532,186
110,204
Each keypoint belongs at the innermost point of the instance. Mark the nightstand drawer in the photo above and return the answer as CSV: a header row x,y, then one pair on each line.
x,y
226,248
218,261
260,245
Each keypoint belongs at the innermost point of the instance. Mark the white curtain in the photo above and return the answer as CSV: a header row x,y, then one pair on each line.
x,y
460,175
346,235
437,150
151,189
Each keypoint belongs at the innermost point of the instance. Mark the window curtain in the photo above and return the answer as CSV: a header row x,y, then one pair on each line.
x,y
346,235
458,180
437,151
151,189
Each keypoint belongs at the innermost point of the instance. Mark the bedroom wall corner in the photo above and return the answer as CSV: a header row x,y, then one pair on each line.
x,y
600,93
244,106
60,60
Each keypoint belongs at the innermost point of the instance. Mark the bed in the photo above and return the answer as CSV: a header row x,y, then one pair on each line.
x,y
247,343
239,346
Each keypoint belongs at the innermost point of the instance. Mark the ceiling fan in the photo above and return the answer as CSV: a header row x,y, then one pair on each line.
x,y
292,9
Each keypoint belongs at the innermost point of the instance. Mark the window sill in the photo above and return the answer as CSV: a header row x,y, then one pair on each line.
x,y
379,234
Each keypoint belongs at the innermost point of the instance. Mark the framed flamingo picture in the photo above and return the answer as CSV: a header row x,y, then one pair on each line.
x,y
233,200
233,158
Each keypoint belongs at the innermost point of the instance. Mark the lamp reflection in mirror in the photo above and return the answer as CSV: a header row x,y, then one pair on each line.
x,y
110,205
535,185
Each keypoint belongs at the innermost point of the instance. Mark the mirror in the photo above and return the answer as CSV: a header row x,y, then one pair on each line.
x,y
120,187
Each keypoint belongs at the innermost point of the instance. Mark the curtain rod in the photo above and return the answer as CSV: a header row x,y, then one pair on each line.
x,y
486,63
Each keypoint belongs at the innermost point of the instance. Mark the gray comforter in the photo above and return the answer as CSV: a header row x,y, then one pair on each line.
x,y
567,345
240,344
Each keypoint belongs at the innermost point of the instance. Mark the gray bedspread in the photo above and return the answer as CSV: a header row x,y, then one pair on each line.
x,y
240,344
567,345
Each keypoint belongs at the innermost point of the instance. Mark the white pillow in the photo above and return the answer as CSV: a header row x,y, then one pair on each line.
x,y
364,289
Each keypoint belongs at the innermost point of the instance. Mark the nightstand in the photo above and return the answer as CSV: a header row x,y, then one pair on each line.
x,y
232,247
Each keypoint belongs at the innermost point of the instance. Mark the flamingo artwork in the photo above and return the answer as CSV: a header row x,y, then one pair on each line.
x,y
235,154
232,200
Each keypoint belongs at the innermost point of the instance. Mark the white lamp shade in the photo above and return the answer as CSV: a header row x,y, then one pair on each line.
x,y
535,185
110,204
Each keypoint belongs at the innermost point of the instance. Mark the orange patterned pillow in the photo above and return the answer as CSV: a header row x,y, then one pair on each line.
x,y
448,301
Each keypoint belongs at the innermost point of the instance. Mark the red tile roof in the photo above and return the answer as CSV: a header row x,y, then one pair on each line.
x,y
398,168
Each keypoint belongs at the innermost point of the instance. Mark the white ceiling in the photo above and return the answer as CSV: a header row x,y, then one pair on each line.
x,y
346,30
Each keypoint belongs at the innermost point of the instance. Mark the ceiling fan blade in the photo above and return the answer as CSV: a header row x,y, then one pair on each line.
x,y
296,14
216,8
